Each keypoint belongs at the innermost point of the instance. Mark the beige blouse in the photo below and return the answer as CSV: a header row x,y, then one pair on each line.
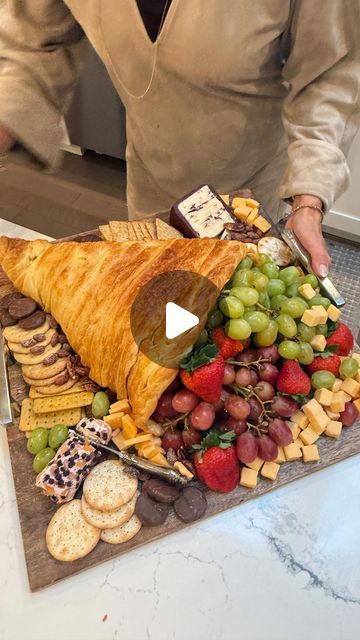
x,y
259,93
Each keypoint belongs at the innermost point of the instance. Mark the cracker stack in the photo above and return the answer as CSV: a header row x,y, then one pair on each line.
x,y
118,231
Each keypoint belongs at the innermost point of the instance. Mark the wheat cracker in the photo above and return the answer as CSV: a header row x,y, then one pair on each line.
x,y
69,536
108,486
165,232
59,403
106,232
29,420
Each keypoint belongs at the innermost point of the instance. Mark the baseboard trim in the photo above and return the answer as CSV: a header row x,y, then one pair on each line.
x,y
342,225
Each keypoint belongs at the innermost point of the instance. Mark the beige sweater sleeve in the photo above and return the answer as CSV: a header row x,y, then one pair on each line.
x,y
322,111
41,49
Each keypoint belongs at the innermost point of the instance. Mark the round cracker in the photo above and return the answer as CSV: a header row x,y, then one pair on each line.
x,y
41,371
16,347
69,536
32,358
276,249
55,389
44,382
109,519
17,334
123,533
108,486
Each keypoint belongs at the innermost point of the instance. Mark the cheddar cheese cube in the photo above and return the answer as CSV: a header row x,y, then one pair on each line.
x,y
225,198
252,203
300,419
357,404
319,422
270,470
299,442
252,216
151,450
248,478
334,313
310,318
311,453
356,357
281,456
321,313
324,397
255,464
128,427
311,408
180,467
307,291
114,420
333,429
337,385
309,436
240,202
242,212
120,405
357,377
331,414
292,452
262,224
351,387
295,430
160,460
318,342
339,400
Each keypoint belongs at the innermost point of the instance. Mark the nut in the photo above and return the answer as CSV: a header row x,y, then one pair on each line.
x,y
62,378
30,342
39,337
50,359
39,348
54,340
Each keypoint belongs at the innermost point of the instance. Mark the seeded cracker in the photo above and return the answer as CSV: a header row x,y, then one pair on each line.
x,y
110,519
123,533
108,487
69,536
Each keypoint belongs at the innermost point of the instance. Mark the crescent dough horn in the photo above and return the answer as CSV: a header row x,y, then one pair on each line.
x,y
90,288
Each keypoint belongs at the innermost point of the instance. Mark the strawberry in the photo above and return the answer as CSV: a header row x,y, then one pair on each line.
x,y
330,363
228,346
216,462
343,338
293,380
203,372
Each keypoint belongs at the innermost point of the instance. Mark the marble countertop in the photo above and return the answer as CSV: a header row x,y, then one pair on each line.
x,y
283,567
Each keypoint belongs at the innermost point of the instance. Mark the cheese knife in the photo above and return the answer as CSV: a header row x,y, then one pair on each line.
x,y
6,416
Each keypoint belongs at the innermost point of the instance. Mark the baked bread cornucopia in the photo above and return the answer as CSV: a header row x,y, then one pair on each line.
x,y
90,288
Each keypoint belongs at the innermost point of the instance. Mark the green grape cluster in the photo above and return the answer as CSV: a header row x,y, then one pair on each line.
x,y
264,302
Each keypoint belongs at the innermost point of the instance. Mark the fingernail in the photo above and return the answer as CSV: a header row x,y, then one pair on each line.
x,y
323,270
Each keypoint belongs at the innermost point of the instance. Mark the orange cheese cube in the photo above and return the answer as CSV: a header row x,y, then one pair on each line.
x,y
300,419
311,453
307,291
240,202
310,318
160,460
295,430
242,212
309,436
119,440
120,405
337,385
332,415
252,216
270,470
225,198
319,422
351,387
333,429
262,224
311,408
318,342
292,452
324,397
114,420
132,442
334,313
255,464
248,478
129,427
281,456
151,450
252,203
357,404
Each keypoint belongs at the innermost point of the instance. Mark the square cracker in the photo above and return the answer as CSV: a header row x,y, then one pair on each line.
x,y
151,228
165,232
106,232
30,420
139,232
59,403
120,230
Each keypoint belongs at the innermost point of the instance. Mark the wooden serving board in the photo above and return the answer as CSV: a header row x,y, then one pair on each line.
x,y
35,510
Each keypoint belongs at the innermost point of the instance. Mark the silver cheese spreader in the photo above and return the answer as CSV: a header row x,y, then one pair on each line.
x,y
326,285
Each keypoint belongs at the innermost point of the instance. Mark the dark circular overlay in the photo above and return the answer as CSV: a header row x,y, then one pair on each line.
x,y
188,290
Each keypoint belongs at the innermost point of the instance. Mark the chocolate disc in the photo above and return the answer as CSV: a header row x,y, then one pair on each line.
x,y
34,321
161,491
9,298
191,505
6,319
149,512
22,308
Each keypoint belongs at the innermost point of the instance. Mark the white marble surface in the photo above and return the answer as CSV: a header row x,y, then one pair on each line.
x,y
283,567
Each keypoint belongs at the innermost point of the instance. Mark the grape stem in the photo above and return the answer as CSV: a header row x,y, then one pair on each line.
x,y
171,423
265,413
248,365
270,312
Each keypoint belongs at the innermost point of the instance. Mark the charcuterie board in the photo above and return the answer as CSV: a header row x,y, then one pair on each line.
x,y
35,510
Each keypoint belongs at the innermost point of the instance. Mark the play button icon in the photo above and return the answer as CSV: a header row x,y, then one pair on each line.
x,y
168,314
178,320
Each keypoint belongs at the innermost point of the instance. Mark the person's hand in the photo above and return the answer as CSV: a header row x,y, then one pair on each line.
x,y
306,224
6,139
